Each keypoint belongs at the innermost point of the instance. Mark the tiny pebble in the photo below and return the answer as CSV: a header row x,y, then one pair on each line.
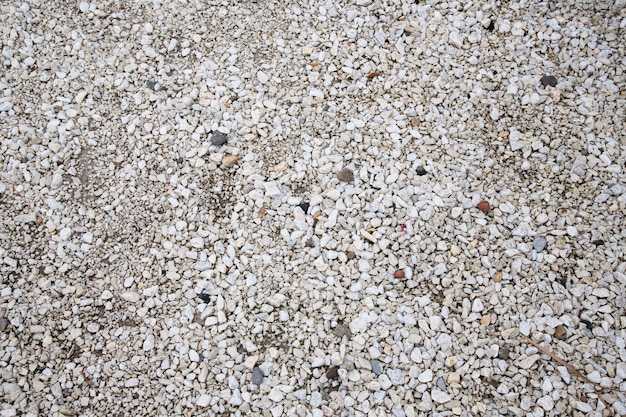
x,y
257,376
483,206
420,171
345,175
398,274
219,138
560,332
439,396
548,80
539,244
304,206
376,367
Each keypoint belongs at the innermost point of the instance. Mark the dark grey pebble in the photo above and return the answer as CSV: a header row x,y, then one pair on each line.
x,y
420,171
332,372
548,80
376,367
257,376
151,85
539,244
4,324
219,138
205,297
598,242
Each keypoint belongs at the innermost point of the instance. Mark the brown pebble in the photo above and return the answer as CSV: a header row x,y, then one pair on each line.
x,y
229,160
497,277
398,274
560,332
342,330
483,206
345,175
350,254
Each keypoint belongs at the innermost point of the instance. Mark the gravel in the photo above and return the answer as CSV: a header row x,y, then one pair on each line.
x,y
204,204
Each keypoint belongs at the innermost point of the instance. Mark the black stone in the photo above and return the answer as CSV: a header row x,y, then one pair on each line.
x,y
491,26
420,171
598,242
587,323
219,138
205,297
304,206
548,80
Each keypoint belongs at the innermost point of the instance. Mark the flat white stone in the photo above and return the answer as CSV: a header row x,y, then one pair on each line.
x,y
439,396
426,376
203,400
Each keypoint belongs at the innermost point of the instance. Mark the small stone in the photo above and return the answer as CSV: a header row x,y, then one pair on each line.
x,y
439,396
539,244
276,395
257,376
399,274
304,206
483,206
229,160
376,367
560,332
262,77
597,242
420,171
219,138
548,80
83,6
497,277
342,330
148,344
503,352
441,384
546,402
426,376
130,296
206,298
203,400
477,306
4,324
345,175
529,361
333,372
151,85
131,382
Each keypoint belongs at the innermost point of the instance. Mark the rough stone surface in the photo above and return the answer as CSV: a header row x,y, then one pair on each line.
x,y
203,205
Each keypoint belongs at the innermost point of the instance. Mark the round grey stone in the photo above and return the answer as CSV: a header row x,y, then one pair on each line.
x,y
219,138
539,244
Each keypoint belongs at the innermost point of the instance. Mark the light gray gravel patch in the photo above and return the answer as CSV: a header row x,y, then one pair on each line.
x,y
266,208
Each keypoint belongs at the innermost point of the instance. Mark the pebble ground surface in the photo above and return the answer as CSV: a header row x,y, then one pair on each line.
x,y
271,208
